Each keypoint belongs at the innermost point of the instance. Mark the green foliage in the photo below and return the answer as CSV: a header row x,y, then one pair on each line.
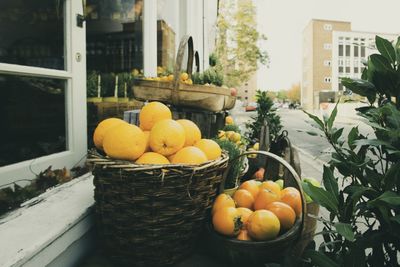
x,y
362,181
231,127
237,46
107,84
233,151
213,60
91,84
209,76
265,114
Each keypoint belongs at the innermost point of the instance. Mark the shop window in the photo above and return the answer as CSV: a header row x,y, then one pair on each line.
x,y
114,37
42,107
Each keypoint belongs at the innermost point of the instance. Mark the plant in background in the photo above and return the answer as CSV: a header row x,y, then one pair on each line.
x,y
265,114
107,84
233,151
91,84
362,180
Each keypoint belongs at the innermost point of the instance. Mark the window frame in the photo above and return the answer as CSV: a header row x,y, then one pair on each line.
x,y
74,76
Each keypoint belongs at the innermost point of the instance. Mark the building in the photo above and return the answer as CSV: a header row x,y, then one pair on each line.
x,y
247,91
331,50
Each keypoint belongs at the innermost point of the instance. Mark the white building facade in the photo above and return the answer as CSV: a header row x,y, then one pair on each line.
x,y
349,50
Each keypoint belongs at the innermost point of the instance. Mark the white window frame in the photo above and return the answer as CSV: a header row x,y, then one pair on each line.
x,y
75,101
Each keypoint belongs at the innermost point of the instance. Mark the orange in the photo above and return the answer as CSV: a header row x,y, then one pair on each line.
x,y
285,214
292,197
189,155
271,186
226,221
210,148
124,141
264,198
167,137
147,134
152,158
243,235
243,198
102,128
152,113
222,200
244,215
192,132
252,186
170,157
263,225
228,120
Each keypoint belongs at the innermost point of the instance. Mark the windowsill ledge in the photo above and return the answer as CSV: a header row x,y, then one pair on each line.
x,y
47,225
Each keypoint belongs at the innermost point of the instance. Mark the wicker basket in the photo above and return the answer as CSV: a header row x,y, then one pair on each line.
x,y
152,215
211,98
257,253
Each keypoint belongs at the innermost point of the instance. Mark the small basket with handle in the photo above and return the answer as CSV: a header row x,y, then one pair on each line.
x,y
211,98
257,253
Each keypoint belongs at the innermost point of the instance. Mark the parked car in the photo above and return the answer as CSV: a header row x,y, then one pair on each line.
x,y
252,106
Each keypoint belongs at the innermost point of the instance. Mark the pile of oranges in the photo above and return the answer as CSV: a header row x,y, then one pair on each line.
x,y
158,140
257,211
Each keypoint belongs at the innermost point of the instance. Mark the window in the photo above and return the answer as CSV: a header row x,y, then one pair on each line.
x,y
355,69
246,97
327,79
362,51
41,79
327,27
340,69
340,86
356,48
340,62
327,46
327,63
245,91
341,50
347,50
347,69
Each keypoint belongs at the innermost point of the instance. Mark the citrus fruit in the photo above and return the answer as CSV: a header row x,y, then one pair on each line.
x,y
271,186
284,212
152,113
102,128
226,221
280,183
263,225
147,135
124,141
292,197
243,235
265,197
184,76
243,198
192,132
259,175
152,158
244,215
252,186
210,148
228,120
189,155
222,200
167,137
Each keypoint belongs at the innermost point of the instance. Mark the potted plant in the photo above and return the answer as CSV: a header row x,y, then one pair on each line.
x,y
362,180
93,87
124,85
108,81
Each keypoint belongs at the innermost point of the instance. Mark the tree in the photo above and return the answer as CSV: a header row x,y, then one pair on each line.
x,y
293,94
237,41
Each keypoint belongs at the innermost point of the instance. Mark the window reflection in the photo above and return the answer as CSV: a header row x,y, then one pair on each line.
x,y
32,116
32,33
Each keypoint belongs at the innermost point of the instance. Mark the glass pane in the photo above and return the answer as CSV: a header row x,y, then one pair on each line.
x,y
32,33
114,36
33,113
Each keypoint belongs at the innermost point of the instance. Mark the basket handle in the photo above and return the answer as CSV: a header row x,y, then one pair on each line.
x,y
270,155
185,41
197,61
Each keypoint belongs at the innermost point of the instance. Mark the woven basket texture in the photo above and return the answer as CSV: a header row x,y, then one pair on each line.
x,y
152,215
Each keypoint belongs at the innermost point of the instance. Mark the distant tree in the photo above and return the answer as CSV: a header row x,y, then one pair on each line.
x,y
282,95
237,46
293,94
271,95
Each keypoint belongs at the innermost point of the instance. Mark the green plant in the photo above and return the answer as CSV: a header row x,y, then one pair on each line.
x,y
233,151
265,114
107,84
362,180
91,84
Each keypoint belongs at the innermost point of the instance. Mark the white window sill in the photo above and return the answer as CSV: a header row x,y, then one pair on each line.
x,y
40,231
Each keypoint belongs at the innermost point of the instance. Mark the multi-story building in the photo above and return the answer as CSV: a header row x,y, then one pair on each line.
x,y
247,91
331,50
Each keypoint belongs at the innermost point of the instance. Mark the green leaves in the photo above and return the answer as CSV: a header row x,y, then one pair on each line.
x,y
330,183
317,120
322,197
361,87
319,259
388,197
386,49
345,230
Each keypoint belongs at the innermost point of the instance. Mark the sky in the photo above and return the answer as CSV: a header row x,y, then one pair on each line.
x,y
283,21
